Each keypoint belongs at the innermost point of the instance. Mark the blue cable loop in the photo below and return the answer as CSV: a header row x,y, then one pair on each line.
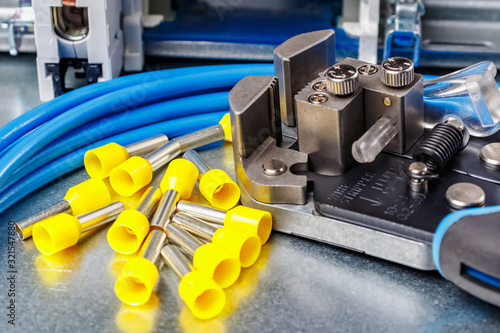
x,y
112,125
117,101
74,160
39,115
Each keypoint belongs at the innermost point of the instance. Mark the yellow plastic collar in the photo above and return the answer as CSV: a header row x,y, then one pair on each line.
x,y
100,161
88,196
130,176
56,233
181,175
245,246
202,295
219,189
225,122
136,282
219,264
127,233
254,221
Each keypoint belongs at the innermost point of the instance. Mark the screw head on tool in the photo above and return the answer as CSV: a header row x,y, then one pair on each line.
x,y
341,80
397,72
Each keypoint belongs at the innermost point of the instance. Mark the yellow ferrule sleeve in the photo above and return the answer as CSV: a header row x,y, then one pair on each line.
x,y
136,282
181,176
88,196
130,176
225,122
245,246
254,221
56,233
127,233
219,189
204,298
219,264
100,161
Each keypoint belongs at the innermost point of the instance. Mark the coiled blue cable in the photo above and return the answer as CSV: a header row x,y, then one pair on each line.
x,y
74,160
118,123
117,101
37,116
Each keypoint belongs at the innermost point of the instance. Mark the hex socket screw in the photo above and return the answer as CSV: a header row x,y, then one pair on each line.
x,y
63,230
101,160
80,199
204,298
137,172
215,184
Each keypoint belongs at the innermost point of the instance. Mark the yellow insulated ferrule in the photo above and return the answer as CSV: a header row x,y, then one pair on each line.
x,y
243,245
204,298
135,284
225,122
80,199
135,173
63,230
100,161
223,267
215,184
181,176
132,226
254,221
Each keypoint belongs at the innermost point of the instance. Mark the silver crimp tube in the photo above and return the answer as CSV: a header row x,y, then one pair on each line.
x,y
196,159
195,226
177,146
25,227
176,260
100,216
183,239
144,147
157,235
209,214
149,202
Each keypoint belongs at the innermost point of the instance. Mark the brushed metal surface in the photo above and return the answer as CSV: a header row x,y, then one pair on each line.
x,y
296,285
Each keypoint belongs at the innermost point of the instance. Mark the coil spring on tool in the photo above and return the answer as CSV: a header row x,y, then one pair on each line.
x,y
442,143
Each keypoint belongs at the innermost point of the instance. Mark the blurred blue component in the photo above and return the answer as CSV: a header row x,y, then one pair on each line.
x,y
404,30
250,27
470,94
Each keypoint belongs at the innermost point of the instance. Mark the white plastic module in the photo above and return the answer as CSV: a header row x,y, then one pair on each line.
x,y
103,44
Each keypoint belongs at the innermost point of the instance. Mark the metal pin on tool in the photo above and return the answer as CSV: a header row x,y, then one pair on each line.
x,y
465,195
199,292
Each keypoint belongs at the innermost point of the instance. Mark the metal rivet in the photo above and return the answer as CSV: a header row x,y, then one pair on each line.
x,y
273,167
387,101
465,195
416,183
317,98
490,155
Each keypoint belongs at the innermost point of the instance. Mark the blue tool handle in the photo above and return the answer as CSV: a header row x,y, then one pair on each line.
x,y
466,251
